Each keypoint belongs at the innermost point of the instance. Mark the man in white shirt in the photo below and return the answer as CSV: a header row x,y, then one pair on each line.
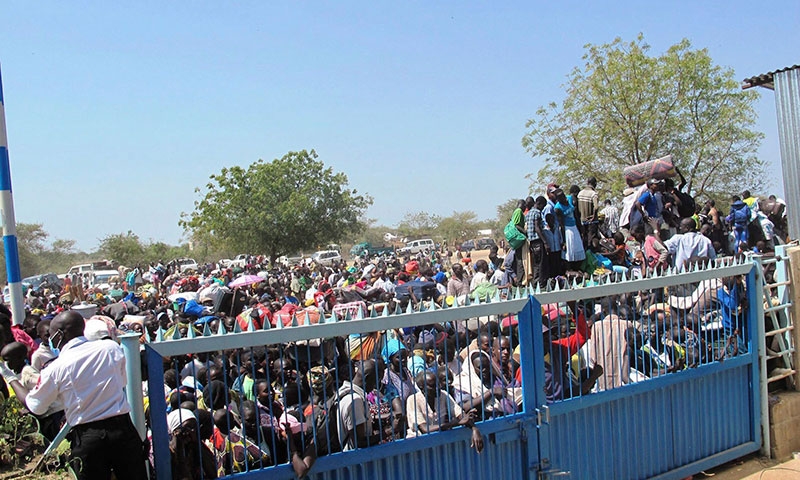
x,y
689,245
88,378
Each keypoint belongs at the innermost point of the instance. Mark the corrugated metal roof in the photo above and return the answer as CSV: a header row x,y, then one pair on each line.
x,y
765,80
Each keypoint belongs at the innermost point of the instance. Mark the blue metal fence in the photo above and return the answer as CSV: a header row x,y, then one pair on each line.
x,y
678,413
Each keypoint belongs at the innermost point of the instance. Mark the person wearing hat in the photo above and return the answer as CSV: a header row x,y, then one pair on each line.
x,y
88,378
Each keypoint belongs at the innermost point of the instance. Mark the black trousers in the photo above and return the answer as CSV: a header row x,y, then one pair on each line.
x,y
107,445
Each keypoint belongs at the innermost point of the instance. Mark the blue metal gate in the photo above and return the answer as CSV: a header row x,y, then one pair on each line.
x,y
671,422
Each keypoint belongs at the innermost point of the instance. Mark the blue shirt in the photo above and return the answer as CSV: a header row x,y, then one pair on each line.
x,y
569,214
650,204
552,237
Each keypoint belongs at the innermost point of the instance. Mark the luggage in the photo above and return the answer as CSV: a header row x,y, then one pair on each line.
x,y
660,168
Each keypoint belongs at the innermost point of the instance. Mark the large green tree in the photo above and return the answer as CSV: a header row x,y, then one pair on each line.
x,y
418,224
625,106
290,204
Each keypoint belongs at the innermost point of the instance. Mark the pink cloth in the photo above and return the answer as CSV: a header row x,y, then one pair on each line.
x,y
23,338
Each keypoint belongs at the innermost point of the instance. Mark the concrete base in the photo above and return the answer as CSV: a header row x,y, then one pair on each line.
x,y
784,418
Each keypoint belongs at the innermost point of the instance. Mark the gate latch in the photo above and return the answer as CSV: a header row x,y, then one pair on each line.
x,y
554,473
543,416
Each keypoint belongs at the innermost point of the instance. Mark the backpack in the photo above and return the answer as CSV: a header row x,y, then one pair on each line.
x,y
687,206
741,216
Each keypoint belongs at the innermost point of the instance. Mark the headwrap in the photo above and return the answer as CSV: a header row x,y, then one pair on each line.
x,y
318,374
176,417
392,346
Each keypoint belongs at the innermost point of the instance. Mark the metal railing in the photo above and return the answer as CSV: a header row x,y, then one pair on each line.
x,y
641,330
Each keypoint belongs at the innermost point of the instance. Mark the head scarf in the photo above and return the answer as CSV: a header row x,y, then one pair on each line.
x,y
176,417
318,374
392,346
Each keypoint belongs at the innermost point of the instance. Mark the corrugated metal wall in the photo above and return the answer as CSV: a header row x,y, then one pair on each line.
x,y
787,105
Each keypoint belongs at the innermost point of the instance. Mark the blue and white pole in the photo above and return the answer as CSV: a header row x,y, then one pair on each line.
x,y
9,222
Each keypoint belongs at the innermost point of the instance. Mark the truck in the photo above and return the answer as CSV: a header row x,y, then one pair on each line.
x,y
366,248
239,261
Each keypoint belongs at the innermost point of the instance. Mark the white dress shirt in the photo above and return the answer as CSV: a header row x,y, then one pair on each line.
x,y
691,244
88,378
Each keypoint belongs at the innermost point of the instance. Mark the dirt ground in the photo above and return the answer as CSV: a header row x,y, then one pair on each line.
x,y
754,467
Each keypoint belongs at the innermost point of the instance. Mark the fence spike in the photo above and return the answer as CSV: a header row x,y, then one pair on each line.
x,y
374,312
468,301
206,330
409,308
190,333
456,303
251,327
159,334
306,319
398,310
496,297
176,333
385,312
574,283
322,318
433,305
294,321
557,287
279,322
221,329
360,314
236,328
331,319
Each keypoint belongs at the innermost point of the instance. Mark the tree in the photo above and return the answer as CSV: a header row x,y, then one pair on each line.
x,y
123,248
626,107
458,227
280,207
418,224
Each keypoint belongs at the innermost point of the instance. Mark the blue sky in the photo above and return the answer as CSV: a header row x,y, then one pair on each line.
x,y
115,114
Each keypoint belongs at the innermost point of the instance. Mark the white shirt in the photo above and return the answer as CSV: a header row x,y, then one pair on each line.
x,y
420,413
89,380
691,244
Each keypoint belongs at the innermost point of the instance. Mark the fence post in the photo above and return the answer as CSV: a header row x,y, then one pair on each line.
x,y
755,298
133,375
158,414
9,223
532,364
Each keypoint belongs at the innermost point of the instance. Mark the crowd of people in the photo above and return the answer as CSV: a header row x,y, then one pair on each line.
x,y
237,410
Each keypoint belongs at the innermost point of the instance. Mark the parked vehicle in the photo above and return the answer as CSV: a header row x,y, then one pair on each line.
x,y
291,260
101,279
485,243
479,244
416,246
326,257
239,261
80,269
468,246
45,280
360,248
186,264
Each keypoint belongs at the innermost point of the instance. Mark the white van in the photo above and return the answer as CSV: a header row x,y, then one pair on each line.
x,y
80,269
416,246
